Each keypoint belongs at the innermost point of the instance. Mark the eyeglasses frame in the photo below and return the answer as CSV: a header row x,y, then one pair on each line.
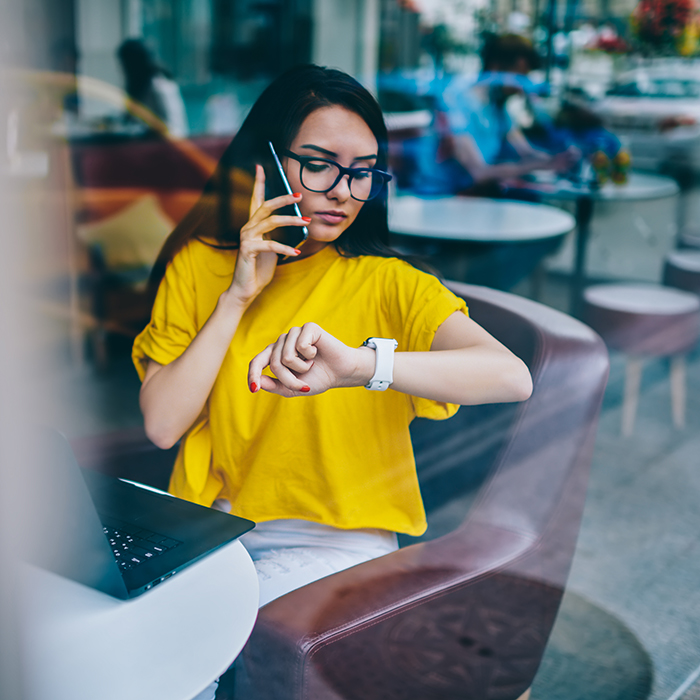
x,y
350,172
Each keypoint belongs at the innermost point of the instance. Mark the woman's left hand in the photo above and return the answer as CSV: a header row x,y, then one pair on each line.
x,y
307,361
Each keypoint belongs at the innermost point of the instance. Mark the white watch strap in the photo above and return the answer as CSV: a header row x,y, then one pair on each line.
x,y
384,362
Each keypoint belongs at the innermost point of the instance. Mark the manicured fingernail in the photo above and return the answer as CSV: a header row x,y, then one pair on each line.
x,y
253,387
306,218
305,389
296,194
297,251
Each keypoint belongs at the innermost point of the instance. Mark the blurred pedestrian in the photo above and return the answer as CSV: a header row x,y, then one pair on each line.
x,y
475,145
152,85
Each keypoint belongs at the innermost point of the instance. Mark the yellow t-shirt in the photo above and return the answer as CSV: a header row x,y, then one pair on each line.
x,y
342,458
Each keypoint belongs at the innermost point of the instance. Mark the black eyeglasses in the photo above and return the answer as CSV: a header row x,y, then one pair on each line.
x,y
322,175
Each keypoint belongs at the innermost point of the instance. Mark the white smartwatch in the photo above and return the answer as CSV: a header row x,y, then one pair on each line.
x,y
383,364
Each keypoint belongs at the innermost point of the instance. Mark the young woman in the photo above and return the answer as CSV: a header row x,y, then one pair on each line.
x,y
254,356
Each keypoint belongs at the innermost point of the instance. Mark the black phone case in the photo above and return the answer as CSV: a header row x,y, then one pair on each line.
x,y
274,187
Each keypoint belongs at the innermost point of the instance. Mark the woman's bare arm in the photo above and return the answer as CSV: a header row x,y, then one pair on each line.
x,y
469,156
465,365
173,395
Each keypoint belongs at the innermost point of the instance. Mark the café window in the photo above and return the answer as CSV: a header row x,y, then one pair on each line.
x,y
238,39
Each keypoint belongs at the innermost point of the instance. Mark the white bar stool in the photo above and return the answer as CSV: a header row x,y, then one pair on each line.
x,y
642,321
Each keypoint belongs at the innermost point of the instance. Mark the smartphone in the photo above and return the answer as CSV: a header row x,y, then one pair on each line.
x,y
276,184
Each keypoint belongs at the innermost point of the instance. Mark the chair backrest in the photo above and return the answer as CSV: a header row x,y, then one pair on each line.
x,y
466,615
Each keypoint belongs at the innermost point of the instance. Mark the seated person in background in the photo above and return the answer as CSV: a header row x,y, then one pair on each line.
x,y
152,85
575,124
473,127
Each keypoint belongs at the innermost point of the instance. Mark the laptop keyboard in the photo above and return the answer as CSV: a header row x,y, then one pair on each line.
x,y
132,546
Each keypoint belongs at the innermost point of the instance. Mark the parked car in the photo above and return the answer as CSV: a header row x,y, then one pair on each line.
x,y
656,113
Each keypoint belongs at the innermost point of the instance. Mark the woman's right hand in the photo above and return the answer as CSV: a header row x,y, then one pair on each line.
x,y
257,255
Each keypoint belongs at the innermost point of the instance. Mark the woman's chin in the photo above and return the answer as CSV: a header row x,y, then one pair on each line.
x,y
325,234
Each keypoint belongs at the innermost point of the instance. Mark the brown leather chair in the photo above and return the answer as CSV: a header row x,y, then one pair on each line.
x,y
466,615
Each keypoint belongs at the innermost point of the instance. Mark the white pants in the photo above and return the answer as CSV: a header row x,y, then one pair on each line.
x,y
288,554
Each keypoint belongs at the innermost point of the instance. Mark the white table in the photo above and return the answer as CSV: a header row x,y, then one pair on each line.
x,y
640,186
495,230
167,644
476,219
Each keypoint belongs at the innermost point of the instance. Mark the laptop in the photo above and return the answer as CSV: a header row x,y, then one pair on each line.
x,y
112,535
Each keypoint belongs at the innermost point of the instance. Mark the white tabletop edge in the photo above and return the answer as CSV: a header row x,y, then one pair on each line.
x,y
174,640
476,219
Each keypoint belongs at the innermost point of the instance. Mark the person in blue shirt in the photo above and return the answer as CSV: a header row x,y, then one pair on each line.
x,y
473,130
475,149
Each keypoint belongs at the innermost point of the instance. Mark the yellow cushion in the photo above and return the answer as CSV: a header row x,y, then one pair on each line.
x,y
132,237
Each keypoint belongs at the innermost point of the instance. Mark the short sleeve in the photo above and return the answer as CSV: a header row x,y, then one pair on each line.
x,y
459,108
457,115
173,320
424,303
507,121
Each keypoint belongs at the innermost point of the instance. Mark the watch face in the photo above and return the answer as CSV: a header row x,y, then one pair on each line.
x,y
372,342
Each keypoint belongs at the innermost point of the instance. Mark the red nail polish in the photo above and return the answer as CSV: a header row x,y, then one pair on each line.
x,y
297,251
306,218
297,194
305,389
253,387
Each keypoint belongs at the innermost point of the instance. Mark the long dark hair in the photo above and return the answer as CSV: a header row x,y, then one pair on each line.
x,y
277,116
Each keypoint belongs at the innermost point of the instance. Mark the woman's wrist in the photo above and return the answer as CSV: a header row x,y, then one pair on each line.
x,y
365,359
229,310
231,302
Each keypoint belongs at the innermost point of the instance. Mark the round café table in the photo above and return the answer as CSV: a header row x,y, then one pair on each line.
x,y
167,644
639,187
476,220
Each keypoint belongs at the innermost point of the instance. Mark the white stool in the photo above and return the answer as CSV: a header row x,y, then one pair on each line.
x,y
645,320
682,270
